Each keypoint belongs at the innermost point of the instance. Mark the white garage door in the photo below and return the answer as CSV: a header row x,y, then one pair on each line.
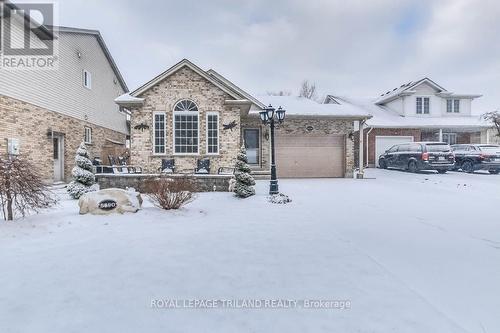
x,y
308,156
382,143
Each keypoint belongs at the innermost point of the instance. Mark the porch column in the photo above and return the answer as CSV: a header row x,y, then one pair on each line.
x,y
440,135
361,149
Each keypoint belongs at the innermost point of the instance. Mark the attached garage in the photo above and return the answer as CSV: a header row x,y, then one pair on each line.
x,y
310,156
382,143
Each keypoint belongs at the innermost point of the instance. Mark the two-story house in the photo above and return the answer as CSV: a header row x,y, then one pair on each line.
x,y
417,111
47,113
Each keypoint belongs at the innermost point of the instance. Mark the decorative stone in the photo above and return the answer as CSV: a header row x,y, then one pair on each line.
x,y
111,200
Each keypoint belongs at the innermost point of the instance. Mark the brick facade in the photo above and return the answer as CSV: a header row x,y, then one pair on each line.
x,y
30,124
416,133
184,84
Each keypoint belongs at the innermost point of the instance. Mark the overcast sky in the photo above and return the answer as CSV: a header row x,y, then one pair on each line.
x,y
348,47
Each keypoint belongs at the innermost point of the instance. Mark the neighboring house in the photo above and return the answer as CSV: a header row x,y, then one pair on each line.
x,y
187,114
50,112
417,111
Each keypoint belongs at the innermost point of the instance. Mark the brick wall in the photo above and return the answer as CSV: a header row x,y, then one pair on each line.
x,y
208,183
416,133
184,84
30,123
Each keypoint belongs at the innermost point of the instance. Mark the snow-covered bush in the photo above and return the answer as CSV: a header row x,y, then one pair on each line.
x,y
279,198
171,193
244,180
83,178
21,188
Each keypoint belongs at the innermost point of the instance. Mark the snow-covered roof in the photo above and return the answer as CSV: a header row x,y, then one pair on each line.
x,y
384,117
405,89
299,106
127,99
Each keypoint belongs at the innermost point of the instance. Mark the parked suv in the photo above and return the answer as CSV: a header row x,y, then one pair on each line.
x,y
470,157
418,156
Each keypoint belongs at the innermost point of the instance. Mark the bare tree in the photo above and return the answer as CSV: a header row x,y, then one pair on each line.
x,y
494,118
279,93
308,90
21,188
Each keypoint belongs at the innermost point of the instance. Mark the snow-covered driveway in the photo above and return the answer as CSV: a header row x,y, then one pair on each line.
x,y
412,253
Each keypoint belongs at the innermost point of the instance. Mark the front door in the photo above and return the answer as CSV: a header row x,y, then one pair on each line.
x,y
252,145
58,154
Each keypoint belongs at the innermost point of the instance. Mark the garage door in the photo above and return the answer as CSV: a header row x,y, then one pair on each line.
x,y
382,143
308,156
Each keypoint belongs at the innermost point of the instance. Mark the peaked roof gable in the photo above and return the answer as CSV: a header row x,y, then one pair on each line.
x,y
235,88
406,89
102,44
181,64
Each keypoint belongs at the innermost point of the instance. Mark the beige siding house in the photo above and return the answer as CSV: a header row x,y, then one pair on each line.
x,y
48,113
187,114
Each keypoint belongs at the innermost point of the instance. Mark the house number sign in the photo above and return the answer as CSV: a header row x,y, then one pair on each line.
x,y
107,204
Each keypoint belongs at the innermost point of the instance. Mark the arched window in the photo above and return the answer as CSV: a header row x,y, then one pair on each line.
x,y
186,122
185,105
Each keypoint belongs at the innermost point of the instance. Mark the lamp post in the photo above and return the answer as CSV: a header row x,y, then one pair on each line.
x,y
268,117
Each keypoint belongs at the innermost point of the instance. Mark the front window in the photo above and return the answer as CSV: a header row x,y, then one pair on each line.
x,y
423,105
186,127
159,132
212,133
87,79
456,105
251,138
438,148
88,135
452,105
450,138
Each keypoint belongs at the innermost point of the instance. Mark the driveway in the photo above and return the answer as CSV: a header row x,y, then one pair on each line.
x,y
409,252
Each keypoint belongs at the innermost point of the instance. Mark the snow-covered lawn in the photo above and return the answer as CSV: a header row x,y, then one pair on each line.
x,y
412,253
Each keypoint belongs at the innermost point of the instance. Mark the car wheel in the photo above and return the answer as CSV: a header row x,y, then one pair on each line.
x,y
412,166
468,167
442,171
382,164
494,171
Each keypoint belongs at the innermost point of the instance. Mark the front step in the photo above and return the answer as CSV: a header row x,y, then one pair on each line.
x,y
58,186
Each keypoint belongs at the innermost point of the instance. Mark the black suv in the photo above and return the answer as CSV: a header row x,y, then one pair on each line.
x,y
418,156
471,157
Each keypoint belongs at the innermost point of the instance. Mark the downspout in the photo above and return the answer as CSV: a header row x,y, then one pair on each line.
x,y
360,174
367,145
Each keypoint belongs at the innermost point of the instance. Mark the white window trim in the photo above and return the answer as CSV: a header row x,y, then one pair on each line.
x,y
85,128
89,79
259,134
206,132
173,134
423,97
451,135
451,109
453,105
164,129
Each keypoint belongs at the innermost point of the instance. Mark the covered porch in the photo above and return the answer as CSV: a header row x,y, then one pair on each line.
x,y
455,135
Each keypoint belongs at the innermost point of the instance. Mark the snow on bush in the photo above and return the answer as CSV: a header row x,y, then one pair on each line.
x,y
279,198
22,189
83,178
244,180
171,193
